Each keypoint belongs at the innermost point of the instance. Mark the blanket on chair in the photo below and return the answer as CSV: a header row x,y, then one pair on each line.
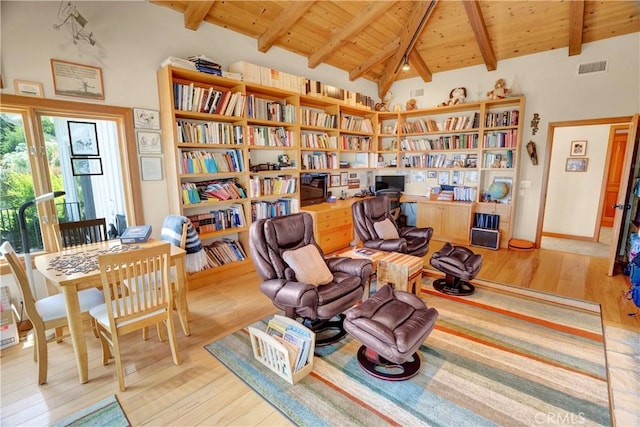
x,y
196,258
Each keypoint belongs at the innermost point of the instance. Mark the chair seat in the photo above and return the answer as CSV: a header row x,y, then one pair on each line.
x,y
53,307
102,316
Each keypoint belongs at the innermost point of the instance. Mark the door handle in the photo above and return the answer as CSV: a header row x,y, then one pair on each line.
x,y
617,206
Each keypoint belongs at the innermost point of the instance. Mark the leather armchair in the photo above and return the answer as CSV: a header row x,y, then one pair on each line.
x,y
412,240
269,239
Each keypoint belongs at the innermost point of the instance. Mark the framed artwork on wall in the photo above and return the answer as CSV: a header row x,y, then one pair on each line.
x,y
26,88
577,165
86,166
151,168
344,178
578,148
149,142
83,138
71,79
146,119
335,180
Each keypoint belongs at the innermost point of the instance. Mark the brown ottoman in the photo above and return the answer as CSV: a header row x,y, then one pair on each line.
x,y
391,326
459,264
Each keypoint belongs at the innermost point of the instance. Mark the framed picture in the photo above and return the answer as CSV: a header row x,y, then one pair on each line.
x,y
146,119
577,165
26,88
86,166
457,178
578,148
470,177
344,178
443,177
335,180
71,79
149,142
432,174
151,168
83,138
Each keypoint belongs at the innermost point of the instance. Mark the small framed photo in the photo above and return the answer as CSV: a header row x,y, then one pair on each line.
x,y
83,138
27,88
443,177
344,178
151,168
335,180
457,178
86,166
471,177
577,165
146,119
578,148
432,174
149,142
71,79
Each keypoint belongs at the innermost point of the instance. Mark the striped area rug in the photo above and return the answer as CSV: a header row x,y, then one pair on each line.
x,y
495,358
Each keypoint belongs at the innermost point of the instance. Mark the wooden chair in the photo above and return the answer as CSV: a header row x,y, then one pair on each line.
x,y
46,313
83,232
139,290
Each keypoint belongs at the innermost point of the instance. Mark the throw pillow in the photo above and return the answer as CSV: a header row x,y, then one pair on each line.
x,y
386,229
308,265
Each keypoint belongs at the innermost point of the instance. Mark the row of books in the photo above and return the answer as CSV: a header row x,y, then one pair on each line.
x,y
320,161
223,252
444,142
447,161
312,117
501,139
220,219
358,143
275,78
356,123
318,140
272,185
499,160
205,64
268,136
193,193
188,97
297,340
465,194
268,109
271,209
211,161
505,118
200,132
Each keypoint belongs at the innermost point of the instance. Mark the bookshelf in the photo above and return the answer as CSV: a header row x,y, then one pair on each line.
x,y
265,137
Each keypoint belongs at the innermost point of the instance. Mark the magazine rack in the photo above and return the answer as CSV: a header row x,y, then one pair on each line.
x,y
275,356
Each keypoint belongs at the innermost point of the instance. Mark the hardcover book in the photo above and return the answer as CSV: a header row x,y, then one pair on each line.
x,y
136,234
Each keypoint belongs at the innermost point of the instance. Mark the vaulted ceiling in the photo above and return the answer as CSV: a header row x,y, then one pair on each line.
x,y
370,39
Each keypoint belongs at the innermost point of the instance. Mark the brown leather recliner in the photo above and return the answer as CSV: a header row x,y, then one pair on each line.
x,y
321,306
412,240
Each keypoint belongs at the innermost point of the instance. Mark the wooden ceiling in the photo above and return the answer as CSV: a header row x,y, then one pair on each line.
x,y
369,39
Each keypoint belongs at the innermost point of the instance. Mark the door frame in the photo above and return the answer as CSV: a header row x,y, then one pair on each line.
x,y
35,108
628,120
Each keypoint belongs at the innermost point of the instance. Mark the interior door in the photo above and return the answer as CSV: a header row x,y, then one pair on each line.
x,y
623,194
614,174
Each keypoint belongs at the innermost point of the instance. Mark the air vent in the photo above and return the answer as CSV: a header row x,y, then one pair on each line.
x,y
592,67
416,93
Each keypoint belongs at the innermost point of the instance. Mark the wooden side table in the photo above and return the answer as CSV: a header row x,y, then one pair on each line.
x,y
374,255
403,272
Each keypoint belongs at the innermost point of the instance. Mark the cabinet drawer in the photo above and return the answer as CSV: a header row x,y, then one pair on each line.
x,y
333,215
335,239
322,226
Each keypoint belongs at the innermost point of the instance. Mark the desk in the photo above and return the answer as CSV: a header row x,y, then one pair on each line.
x,y
87,275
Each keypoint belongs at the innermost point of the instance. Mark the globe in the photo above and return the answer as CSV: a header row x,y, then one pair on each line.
x,y
498,190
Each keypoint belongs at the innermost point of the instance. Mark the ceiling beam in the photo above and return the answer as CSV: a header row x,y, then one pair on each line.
x,y
482,35
576,22
278,28
371,13
375,59
417,20
195,12
419,65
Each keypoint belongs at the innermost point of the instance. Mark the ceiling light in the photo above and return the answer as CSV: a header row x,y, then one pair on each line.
x,y
405,65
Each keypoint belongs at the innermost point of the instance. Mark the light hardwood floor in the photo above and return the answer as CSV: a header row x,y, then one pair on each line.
x,y
203,392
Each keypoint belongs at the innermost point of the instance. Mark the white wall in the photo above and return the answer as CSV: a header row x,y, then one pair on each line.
x,y
134,37
573,197
552,88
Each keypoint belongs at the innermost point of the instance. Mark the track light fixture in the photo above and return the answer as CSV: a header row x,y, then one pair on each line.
x,y
405,65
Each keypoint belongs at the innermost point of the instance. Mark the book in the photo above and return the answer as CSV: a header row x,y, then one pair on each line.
x,y
136,234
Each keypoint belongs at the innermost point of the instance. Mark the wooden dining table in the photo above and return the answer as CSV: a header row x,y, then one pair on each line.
x,y
76,268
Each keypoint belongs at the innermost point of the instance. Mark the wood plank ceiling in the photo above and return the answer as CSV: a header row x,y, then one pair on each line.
x,y
370,39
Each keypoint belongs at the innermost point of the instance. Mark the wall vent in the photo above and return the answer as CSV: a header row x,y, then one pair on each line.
x,y
592,67
416,93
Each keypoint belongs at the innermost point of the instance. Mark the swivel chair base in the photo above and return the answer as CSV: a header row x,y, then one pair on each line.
x,y
327,331
452,285
379,367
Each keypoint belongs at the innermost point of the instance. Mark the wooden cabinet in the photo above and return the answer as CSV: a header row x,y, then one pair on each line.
x,y
332,224
451,221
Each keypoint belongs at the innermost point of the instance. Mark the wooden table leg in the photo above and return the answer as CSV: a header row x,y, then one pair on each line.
x,y
76,330
181,296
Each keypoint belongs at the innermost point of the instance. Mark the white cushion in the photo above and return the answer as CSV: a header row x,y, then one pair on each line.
x,y
102,316
53,307
308,265
386,229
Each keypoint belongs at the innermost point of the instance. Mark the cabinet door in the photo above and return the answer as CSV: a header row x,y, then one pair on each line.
x,y
456,222
430,215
